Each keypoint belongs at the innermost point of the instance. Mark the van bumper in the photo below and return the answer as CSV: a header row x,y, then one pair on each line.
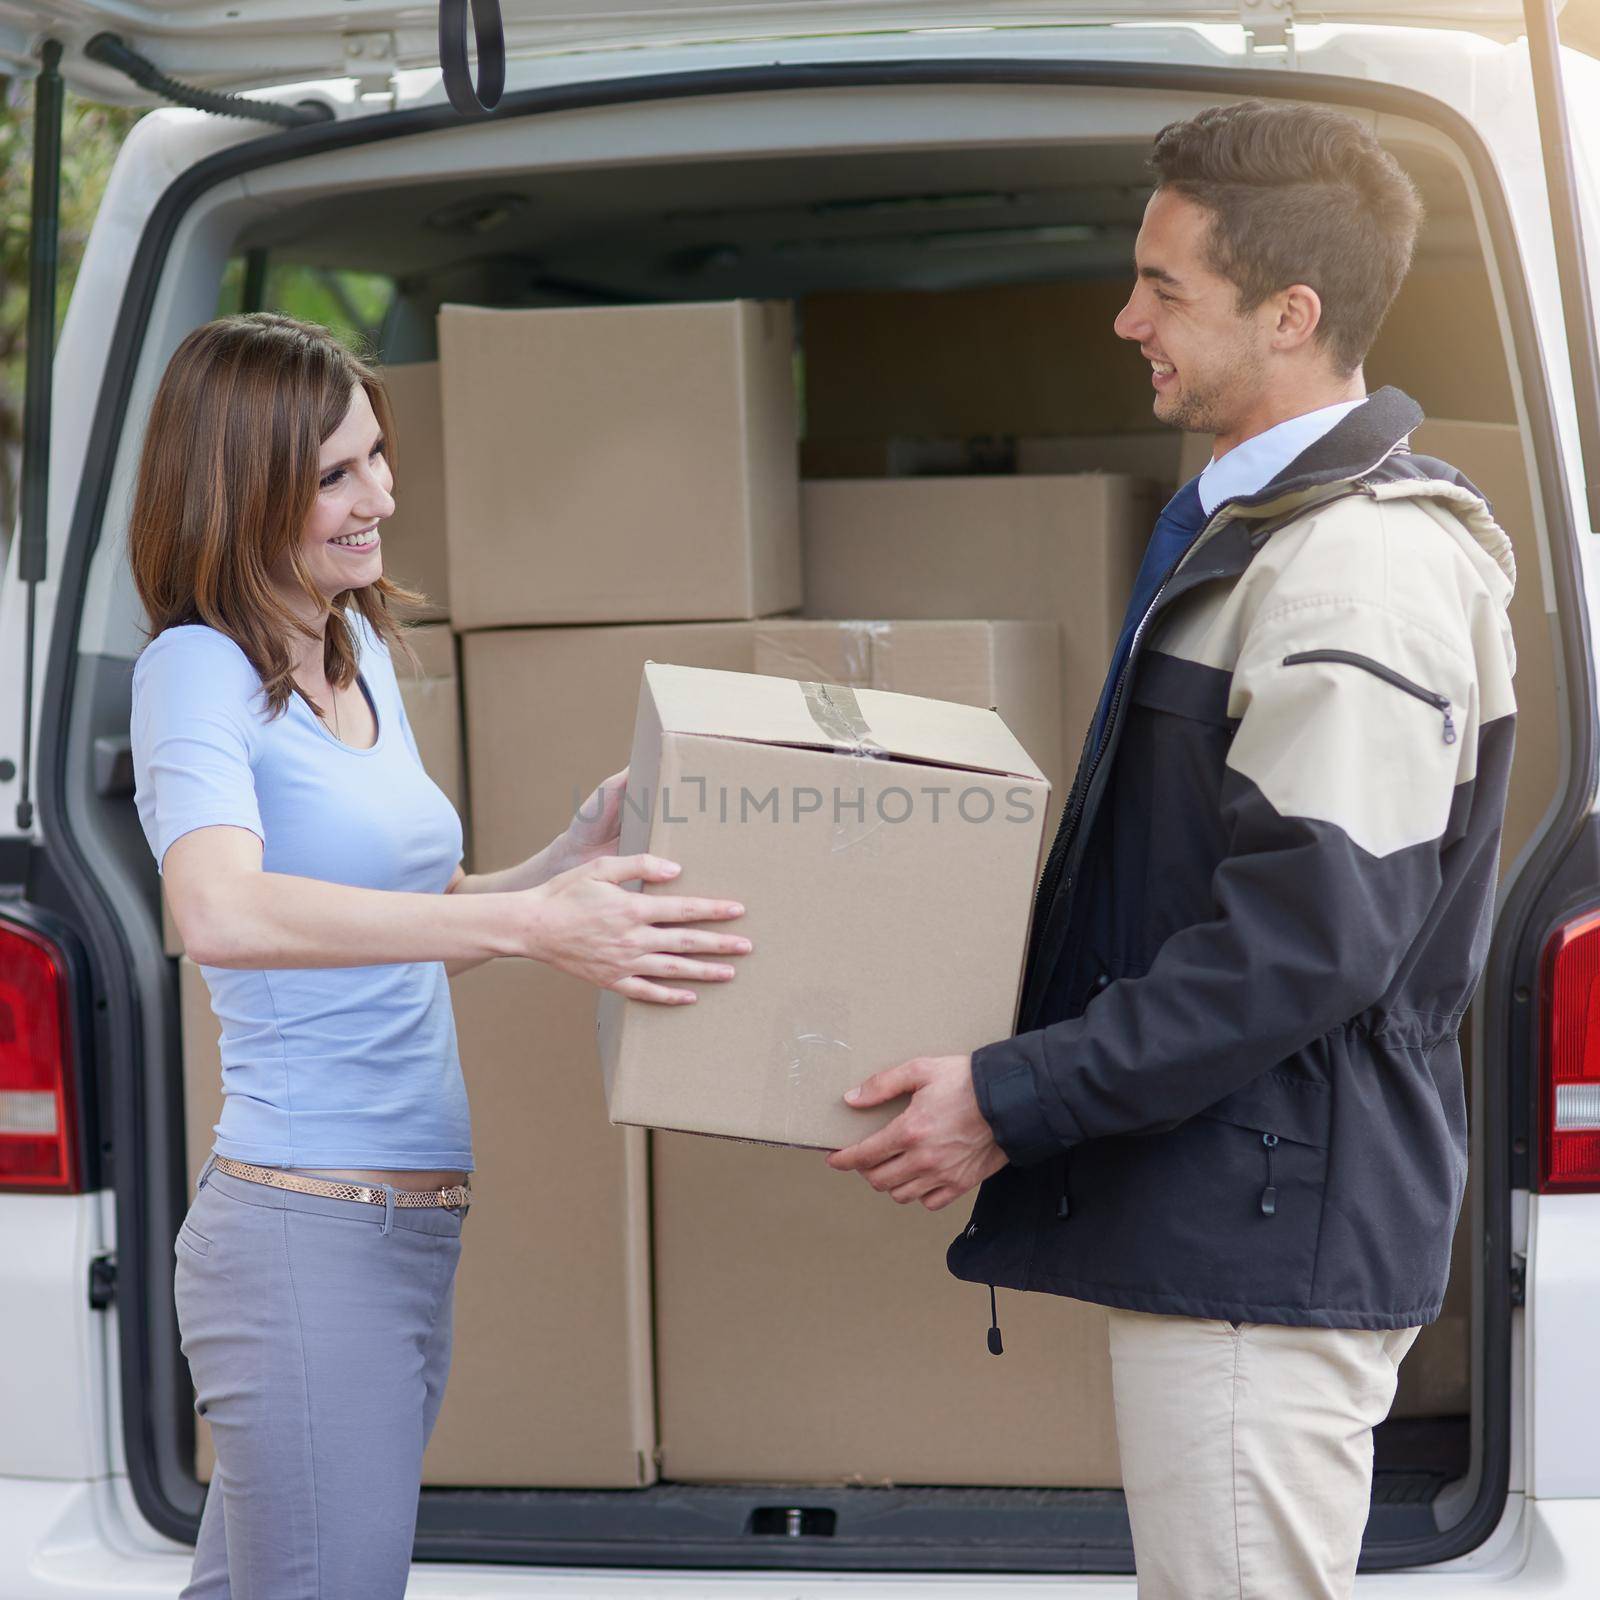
x,y
84,1540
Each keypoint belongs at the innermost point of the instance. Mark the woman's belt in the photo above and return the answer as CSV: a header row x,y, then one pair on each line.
x,y
457,1195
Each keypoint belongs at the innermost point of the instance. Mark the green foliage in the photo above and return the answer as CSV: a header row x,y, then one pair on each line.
x,y
91,136
351,304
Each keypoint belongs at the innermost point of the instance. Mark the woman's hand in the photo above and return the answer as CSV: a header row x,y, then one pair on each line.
x,y
596,826
586,924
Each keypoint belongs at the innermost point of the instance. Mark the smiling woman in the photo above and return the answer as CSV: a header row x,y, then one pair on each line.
x,y
314,870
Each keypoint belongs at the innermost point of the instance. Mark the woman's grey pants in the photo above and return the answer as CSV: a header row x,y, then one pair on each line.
x,y
318,1333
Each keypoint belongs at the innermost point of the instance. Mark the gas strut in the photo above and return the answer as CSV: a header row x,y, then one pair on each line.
x,y
44,229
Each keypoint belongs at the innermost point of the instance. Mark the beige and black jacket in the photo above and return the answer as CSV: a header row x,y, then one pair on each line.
x,y
1237,1087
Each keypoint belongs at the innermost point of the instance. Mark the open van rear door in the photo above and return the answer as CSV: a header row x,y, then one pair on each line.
x,y
257,43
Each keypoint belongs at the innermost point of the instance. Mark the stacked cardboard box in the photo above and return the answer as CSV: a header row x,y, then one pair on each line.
x,y
413,539
808,1332
551,1384
615,464
602,466
802,1363
1063,550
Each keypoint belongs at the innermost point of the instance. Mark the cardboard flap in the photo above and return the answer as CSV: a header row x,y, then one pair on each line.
x,y
867,722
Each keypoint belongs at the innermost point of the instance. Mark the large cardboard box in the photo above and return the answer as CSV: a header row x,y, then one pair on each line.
x,y
1051,549
1030,358
620,463
432,699
807,1331
871,836
907,458
1011,667
413,539
1194,455
1140,455
551,1381
550,712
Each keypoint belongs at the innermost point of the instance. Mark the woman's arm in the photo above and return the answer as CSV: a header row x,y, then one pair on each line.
x,y
595,831
230,912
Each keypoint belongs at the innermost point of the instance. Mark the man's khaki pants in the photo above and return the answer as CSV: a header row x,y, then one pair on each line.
x,y
1247,1452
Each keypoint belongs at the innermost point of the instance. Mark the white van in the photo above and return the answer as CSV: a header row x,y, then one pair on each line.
x,y
680,150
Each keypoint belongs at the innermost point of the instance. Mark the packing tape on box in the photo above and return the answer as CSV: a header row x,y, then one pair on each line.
x,y
837,712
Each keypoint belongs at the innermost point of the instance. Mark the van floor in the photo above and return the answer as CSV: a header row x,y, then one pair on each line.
x,y
929,1529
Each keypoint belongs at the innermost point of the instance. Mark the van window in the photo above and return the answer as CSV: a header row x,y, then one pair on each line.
x,y
353,304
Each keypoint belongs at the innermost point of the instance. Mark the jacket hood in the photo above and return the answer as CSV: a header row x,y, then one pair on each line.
x,y
1370,450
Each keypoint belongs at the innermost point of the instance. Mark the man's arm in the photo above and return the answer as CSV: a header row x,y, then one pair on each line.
x,y
1338,800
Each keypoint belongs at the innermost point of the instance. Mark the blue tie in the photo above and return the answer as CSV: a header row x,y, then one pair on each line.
x,y
1175,530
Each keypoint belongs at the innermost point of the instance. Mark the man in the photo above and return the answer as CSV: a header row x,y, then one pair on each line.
x,y
1233,1112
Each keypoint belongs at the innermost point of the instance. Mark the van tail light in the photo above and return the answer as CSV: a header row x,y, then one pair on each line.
x,y
1569,1067
38,1122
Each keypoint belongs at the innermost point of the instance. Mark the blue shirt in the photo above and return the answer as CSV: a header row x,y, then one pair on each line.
x,y
331,1066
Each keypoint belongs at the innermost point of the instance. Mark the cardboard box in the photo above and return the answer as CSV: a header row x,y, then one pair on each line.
x,y
1011,667
433,708
1062,550
906,458
1137,455
1030,358
551,1383
550,712
807,1331
413,539
620,463
1194,455
851,824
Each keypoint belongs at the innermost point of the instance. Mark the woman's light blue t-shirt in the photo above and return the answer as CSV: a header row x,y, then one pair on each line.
x,y
329,1066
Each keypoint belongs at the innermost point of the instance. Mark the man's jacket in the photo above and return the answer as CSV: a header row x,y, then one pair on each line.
x,y
1236,1091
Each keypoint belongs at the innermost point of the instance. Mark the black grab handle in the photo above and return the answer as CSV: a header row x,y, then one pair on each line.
x,y
470,99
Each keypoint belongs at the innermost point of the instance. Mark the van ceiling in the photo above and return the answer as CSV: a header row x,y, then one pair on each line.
x,y
937,219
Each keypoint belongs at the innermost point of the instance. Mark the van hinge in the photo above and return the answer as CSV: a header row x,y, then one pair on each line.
x,y
1268,30
369,58
102,1282
1519,1279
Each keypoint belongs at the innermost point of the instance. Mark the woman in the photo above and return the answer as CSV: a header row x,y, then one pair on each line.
x,y
313,870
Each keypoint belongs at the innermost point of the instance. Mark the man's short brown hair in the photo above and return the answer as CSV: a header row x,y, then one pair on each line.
x,y
1298,194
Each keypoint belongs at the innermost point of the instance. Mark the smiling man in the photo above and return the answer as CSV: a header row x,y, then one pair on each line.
x,y
1233,1113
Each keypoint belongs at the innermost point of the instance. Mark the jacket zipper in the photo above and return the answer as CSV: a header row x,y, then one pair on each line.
x,y
1269,1195
1439,702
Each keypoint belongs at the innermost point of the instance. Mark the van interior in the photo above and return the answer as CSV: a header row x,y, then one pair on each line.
x,y
691,1352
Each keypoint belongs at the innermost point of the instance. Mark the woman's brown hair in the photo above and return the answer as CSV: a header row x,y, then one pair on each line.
x,y
227,479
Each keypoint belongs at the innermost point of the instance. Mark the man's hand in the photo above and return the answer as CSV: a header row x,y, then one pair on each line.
x,y
938,1148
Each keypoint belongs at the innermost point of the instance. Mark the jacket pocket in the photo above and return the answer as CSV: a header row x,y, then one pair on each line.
x,y
1273,1109
1350,658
